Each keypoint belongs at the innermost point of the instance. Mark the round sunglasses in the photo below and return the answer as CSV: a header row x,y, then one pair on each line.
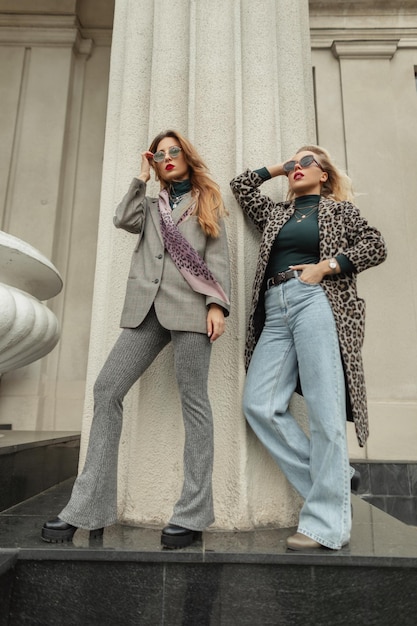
x,y
173,152
305,161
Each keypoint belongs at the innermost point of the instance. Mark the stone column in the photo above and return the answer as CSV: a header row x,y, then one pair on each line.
x,y
235,77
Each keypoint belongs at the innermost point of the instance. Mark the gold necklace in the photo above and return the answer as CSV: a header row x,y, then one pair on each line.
x,y
301,215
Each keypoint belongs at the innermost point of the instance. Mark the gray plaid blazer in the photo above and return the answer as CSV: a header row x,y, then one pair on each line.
x,y
154,278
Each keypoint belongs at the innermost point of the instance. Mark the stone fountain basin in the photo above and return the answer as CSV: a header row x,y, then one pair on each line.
x,y
25,268
28,328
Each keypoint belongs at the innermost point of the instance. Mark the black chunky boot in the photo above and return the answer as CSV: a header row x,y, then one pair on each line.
x,y
57,530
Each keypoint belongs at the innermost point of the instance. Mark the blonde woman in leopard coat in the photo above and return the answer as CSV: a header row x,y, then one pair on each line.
x,y
306,332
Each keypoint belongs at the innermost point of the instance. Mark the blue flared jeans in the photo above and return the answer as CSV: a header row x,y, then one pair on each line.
x,y
300,339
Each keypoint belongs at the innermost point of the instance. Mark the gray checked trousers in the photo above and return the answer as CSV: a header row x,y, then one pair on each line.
x,y
93,502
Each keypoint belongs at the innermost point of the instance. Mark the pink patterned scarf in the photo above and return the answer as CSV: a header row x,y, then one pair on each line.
x,y
187,260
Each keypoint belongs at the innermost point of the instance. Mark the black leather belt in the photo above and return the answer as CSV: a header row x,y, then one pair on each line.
x,y
281,277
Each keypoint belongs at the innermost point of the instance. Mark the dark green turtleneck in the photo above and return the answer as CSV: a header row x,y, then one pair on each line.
x,y
298,241
177,189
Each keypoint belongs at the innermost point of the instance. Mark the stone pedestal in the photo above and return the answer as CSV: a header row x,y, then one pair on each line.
x,y
28,329
241,89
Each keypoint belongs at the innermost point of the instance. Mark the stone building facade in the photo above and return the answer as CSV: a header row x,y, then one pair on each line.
x,y
85,84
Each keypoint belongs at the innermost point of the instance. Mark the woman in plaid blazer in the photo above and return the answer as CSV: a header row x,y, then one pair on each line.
x,y
177,291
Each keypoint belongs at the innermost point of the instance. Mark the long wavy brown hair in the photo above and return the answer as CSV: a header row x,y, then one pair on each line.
x,y
209,204
338,185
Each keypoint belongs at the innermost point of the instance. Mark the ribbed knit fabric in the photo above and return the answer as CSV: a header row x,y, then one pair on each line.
x,y
194,509
93,502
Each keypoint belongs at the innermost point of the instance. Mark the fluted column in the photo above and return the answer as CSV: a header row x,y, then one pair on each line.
x,y
234,77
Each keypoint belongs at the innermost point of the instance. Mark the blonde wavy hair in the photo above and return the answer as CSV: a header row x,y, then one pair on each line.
x,y
209,204
338,185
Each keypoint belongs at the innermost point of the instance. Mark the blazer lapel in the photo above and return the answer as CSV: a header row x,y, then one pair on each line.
x,y
176,213
182,207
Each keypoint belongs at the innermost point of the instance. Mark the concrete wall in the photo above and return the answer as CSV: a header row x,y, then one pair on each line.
x,y
364,56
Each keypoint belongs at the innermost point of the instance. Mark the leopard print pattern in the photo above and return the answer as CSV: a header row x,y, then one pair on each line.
x,y
342,230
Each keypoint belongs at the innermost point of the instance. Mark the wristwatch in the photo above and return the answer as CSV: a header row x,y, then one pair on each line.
x,y
333,265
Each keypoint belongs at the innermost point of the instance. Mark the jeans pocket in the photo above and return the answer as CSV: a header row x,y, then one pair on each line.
x,y
309,285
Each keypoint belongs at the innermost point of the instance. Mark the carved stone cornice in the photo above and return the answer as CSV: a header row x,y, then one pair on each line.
x,y
363,43
362,7
48,30
364,49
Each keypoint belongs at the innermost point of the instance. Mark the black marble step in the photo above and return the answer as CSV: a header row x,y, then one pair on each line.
x,y
390,486
229,578
32,461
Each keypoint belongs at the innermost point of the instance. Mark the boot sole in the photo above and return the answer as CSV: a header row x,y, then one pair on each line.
x,y
181,541
60,536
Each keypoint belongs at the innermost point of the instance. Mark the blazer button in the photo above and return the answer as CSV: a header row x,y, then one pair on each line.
x,y
156,281
159,256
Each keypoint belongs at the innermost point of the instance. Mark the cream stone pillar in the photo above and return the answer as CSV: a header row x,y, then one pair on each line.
x,y
235,77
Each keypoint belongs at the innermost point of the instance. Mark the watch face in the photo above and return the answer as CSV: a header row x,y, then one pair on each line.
x,y
332,265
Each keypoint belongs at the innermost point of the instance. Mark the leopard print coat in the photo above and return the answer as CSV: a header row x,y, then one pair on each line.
x,y
342,230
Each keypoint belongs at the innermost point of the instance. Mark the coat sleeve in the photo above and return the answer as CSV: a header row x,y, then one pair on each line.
x,y
366,246
256,206
131,212
217,259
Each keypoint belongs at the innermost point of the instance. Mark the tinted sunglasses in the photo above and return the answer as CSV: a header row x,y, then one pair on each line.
x,y
173,152
305,161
